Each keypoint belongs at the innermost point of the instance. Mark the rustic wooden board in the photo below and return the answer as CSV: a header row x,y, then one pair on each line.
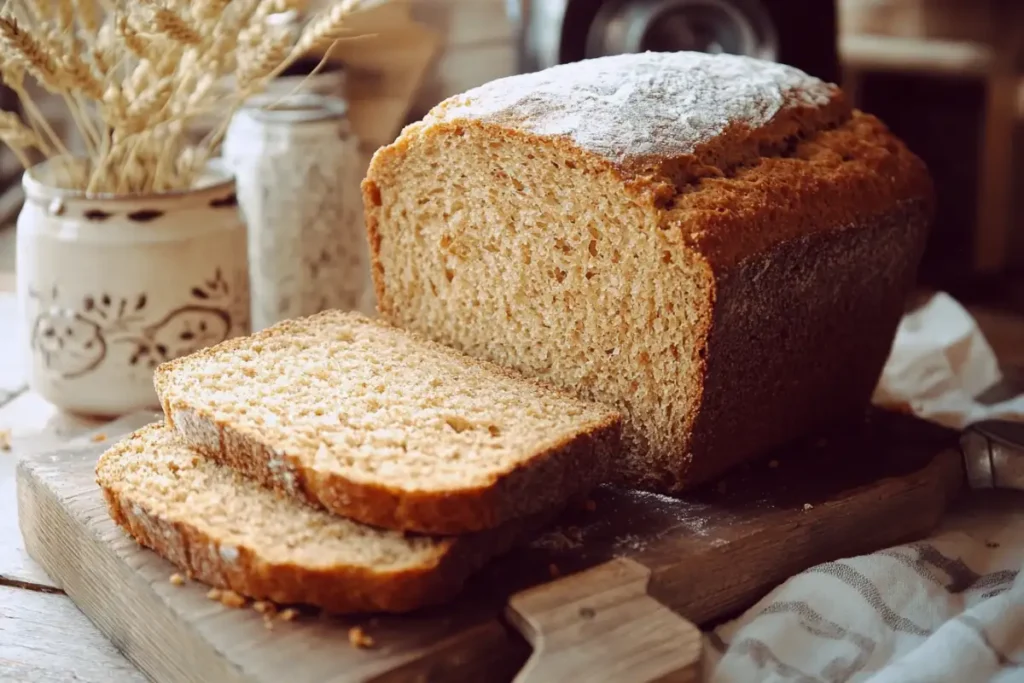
x,y
708,556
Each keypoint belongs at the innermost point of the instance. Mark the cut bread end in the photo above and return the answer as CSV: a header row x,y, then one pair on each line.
x,y
187,508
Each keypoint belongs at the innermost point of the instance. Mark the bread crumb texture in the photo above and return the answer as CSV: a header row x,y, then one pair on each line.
x,y
717,246
189,509
358,638
384,427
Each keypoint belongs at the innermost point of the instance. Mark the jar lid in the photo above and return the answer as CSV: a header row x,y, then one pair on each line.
x,y
294,109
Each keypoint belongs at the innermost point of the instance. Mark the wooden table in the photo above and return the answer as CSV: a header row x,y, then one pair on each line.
x,y
43,636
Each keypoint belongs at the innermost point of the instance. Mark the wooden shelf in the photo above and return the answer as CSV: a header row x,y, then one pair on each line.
x,y
938,57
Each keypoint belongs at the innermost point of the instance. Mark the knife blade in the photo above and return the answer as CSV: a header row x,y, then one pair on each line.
x,y
993,454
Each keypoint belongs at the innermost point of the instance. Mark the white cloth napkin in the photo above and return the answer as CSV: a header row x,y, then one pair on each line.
x,y
947,608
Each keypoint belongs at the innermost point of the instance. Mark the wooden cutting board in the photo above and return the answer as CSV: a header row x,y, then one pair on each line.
x,y
622,560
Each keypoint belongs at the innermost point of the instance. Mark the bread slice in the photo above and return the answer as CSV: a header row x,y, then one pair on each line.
x,y
230,532
718,246
378,425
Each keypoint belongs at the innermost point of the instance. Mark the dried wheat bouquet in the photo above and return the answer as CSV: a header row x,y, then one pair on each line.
x,y
134,73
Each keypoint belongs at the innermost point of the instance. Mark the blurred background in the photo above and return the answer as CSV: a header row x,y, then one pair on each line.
x,y
946,75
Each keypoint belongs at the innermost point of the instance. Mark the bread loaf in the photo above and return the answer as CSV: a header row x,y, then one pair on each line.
x,y
719,246
228,531
381,426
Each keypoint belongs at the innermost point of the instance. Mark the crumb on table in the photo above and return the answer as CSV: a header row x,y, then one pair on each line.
x,y
230,598
808,506
5,439
289,614
177,580
99,437
226,597
357,637
265,607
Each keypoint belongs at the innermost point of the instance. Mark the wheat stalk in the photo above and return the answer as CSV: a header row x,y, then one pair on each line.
x,y
26,51
324,31
133,74
19,137
131,37
206,11
90,15
168,23
261,58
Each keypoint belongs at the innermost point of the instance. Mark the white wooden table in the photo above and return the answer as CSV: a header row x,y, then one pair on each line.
x,y
43,636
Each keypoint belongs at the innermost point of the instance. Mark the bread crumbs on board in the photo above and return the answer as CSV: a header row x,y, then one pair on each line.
x,y
177,580
5,439
232,599
264,607
357,637
99,438
228,598
289,614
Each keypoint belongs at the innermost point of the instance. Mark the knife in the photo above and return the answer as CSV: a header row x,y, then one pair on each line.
x,y
993,455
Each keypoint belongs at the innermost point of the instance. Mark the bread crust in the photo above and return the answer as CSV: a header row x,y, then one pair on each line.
x,y
770,374
340,589
565,469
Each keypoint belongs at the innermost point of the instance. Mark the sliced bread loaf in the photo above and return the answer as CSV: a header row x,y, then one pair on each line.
x,y
381,426
231,532
716,245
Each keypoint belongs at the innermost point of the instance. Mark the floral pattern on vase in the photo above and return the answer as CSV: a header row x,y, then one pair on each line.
x,y
73,340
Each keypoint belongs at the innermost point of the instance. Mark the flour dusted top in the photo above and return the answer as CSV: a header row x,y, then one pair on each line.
x,y
652,104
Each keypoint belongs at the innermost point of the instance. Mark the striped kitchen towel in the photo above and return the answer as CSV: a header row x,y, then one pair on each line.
x,y
949,608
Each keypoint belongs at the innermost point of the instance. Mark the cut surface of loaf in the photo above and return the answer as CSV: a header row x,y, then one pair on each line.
x,y
718,246
231,532
381,426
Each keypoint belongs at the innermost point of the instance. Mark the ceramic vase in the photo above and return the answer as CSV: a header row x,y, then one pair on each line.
x,y
111,286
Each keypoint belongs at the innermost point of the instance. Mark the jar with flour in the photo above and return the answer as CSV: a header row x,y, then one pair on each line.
x,y
298,170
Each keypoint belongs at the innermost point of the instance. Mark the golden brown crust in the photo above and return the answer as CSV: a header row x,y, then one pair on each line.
x,y
826,182
338,589
371,206
785,358
563,470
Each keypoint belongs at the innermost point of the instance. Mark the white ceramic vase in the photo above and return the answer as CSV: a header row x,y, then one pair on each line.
x,y
109,287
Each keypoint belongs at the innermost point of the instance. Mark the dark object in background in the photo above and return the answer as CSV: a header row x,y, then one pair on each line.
x,y
795,32
941,120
